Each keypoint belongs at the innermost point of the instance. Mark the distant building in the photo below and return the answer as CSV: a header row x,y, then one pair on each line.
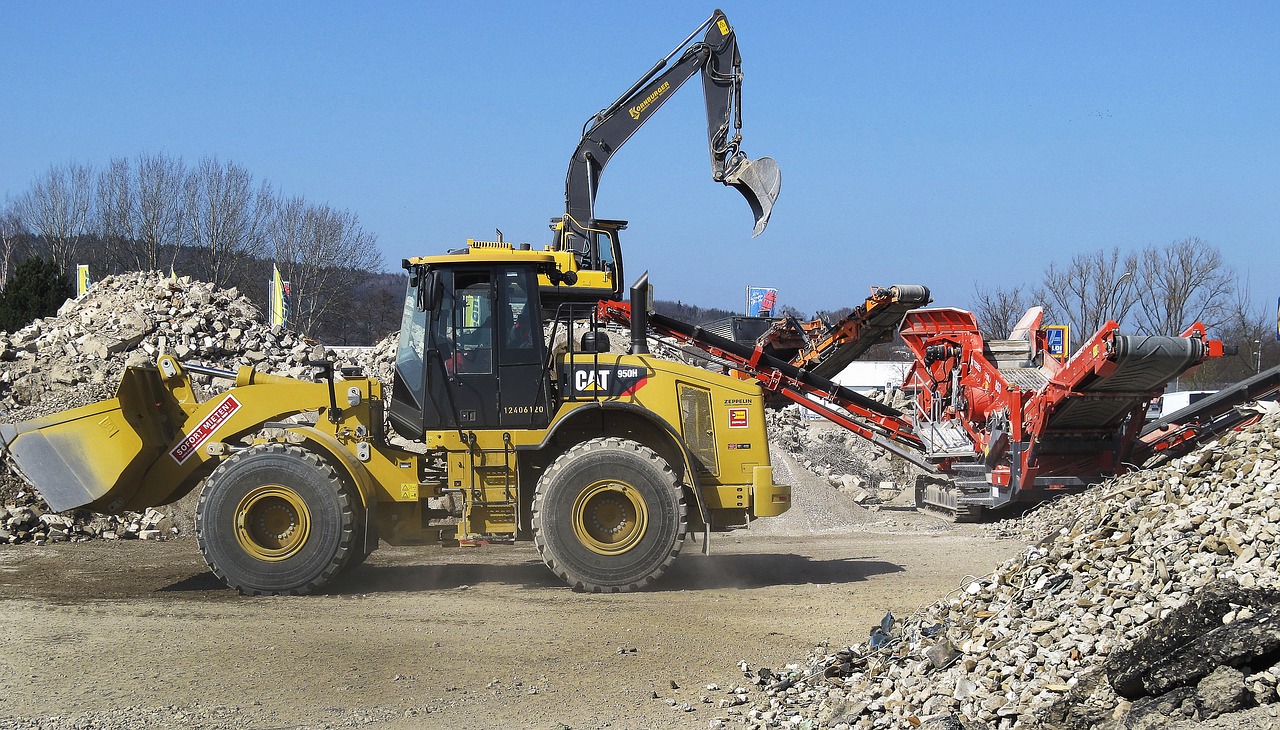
x,y
866,376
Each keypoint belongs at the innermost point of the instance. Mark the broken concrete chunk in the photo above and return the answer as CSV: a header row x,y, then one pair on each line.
x,y
1221,692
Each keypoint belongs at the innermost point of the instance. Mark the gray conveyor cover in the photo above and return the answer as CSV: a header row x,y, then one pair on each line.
x,y
1143,364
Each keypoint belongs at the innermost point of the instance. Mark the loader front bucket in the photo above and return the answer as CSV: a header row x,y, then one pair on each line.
x,y
759,181
93,456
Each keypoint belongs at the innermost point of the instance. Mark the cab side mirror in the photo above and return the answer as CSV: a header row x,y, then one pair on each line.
x,y
429,291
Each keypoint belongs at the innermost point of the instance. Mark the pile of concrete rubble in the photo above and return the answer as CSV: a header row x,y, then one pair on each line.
x,y
862,471
76,358
28,521
1154,598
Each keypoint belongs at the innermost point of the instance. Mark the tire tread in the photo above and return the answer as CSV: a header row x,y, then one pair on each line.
x,y
580,583
346,543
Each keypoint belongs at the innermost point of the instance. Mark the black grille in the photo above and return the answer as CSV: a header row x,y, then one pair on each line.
x,y
695,421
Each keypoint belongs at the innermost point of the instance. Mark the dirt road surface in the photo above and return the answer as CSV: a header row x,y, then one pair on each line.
x,y
142,635
138,635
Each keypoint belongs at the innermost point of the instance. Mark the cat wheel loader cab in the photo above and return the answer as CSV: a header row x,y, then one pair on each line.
x,y
604,461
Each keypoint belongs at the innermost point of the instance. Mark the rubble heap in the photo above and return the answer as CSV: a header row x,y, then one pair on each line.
x,y
28,521
377,362
77,357
855,466
1152,598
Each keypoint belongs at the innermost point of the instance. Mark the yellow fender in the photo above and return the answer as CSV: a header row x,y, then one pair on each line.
x,y
691,473
341,457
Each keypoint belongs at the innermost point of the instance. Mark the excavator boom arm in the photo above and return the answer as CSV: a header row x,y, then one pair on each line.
x,y
717,57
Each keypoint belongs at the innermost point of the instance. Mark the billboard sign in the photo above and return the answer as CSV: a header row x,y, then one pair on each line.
x,y
281,299
761,301
1058,341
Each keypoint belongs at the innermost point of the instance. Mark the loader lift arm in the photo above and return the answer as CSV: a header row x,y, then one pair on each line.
x,y
716,57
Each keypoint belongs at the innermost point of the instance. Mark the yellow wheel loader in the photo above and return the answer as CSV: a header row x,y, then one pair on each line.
x,y
605,461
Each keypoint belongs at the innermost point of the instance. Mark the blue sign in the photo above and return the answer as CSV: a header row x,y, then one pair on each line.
x,y
1057,341
761,301
1055,338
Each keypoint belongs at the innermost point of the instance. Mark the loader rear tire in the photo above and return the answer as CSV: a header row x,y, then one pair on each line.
x,y
277,519
608,516
358,556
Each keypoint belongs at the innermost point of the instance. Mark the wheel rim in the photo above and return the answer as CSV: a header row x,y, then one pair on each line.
x,y
272,522
609,517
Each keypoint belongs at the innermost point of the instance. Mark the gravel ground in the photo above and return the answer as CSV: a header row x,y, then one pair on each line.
x,y
125,635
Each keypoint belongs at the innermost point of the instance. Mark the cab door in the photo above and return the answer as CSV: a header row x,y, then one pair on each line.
x,y
463,344
485,352
524,385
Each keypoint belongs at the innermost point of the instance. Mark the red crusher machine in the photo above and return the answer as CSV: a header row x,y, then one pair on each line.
x,y
998,422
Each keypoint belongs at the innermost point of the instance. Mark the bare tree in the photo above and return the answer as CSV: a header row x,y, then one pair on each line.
x,y
323,253
998,310
57,210
1247,331
374,313
1184,282
159,213
383,310
150,209
1092,290
226,221
116,201
11,235
831,316
1250,327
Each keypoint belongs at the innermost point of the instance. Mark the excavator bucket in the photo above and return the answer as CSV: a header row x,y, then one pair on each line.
x,y
94,455
759,181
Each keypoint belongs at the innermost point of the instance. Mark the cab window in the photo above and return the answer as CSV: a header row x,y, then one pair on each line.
x,y
520,323
472,320
604,250
409,353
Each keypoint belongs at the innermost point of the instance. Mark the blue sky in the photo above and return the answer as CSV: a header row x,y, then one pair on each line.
x,y
938,143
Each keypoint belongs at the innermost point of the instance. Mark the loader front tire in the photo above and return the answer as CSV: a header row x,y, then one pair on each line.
x,y
608,516
276,519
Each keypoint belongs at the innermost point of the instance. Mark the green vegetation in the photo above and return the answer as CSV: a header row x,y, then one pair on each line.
x,y
38,287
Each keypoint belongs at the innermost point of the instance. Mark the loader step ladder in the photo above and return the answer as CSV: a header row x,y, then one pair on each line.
x,y
491,513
